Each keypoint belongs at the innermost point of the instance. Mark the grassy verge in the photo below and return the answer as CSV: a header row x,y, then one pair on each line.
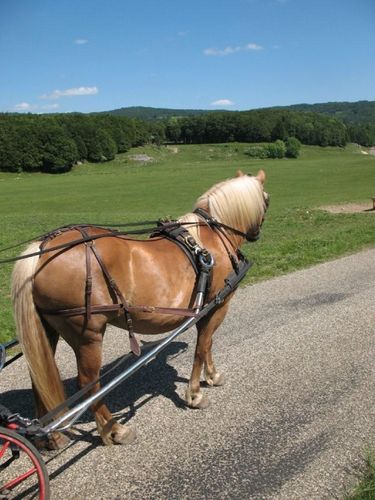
x,y
365,487
296,233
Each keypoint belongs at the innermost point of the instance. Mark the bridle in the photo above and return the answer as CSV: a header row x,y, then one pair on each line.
x,y
251,235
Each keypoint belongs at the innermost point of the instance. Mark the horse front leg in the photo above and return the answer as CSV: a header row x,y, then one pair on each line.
x,y
89,360
203,357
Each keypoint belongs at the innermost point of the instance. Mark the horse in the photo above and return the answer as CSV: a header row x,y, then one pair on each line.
x,y
153,271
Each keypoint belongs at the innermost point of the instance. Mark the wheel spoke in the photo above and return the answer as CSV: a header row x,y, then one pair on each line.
x,y
14,482
4,449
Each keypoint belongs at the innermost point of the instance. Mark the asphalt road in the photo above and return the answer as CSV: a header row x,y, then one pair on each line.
x,y
291,422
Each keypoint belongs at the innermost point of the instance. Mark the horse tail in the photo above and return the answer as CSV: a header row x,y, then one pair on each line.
x,y
32,334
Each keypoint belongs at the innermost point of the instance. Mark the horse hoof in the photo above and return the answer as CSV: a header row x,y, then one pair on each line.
x,y
56,441
203,403
198,401
216,380
125,435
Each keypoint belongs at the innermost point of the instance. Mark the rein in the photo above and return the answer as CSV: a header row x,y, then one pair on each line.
x,y
84,239
211,221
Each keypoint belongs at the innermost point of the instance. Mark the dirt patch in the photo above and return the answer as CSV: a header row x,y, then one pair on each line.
x,y
350,208
142,158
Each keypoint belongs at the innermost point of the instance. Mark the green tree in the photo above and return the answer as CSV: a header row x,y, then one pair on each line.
x,y
173,130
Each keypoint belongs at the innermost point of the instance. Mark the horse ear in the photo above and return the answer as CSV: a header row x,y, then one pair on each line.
x,y
239,173
261,176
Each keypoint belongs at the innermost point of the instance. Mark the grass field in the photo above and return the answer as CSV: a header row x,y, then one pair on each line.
x,y
296,233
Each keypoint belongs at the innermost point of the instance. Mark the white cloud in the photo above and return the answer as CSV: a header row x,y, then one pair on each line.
x,y
23,106
232,50
222,102
77,91
253,46
81,41
221,52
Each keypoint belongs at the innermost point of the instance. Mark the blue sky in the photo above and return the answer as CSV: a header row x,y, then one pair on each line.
x,y
96,55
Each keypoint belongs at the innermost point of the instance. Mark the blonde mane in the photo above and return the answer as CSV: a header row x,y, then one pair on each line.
x,y
238,203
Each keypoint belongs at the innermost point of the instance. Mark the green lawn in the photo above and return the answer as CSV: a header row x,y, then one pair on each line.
x,y
296,233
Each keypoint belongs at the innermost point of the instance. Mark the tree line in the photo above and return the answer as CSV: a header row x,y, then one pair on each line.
x,y
54,143
258,126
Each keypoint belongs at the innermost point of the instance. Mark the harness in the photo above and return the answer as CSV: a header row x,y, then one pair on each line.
x,y
200,259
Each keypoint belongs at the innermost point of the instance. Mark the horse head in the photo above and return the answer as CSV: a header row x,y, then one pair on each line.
x,y
239,205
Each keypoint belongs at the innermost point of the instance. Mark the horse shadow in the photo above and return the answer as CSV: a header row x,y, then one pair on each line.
x,y
158,378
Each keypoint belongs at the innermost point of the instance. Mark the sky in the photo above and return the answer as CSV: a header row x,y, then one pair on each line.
x,y
98,55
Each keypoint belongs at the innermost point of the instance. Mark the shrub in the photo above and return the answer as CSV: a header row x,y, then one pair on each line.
x,y
256,152
293,147
276,149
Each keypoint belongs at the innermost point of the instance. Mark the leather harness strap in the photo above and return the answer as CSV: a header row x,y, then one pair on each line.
x,y
178,235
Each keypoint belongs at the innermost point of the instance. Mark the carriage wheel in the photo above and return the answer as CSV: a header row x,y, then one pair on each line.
x,y
22,469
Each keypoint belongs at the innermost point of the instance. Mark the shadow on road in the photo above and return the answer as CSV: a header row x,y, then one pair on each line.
x,y
158,378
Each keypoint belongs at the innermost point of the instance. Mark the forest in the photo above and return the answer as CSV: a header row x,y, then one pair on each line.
x,y
54,143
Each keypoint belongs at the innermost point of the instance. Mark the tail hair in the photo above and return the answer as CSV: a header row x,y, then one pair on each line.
x,y
32,334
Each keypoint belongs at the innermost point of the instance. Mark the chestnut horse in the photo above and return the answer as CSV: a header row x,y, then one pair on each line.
x,y
154,272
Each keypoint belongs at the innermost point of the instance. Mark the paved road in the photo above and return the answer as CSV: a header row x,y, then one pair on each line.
x,y
291,422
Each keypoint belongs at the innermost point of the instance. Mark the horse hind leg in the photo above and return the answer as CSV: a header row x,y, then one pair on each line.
x,y
89,359
203,358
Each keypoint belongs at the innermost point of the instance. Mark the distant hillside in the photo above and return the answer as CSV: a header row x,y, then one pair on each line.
x,y
155,114
349,112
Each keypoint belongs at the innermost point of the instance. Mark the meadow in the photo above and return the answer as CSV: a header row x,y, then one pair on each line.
x,y
297,232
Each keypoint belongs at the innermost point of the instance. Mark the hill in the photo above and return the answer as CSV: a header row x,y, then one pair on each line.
x,y
349,112
155,114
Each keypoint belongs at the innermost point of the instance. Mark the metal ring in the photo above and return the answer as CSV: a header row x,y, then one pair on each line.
x,y
206,261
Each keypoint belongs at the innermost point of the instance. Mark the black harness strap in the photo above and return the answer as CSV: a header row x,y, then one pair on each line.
x,y
249,236
218,228
181,237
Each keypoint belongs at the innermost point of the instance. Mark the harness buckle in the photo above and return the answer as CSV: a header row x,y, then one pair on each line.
x,y
190,242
